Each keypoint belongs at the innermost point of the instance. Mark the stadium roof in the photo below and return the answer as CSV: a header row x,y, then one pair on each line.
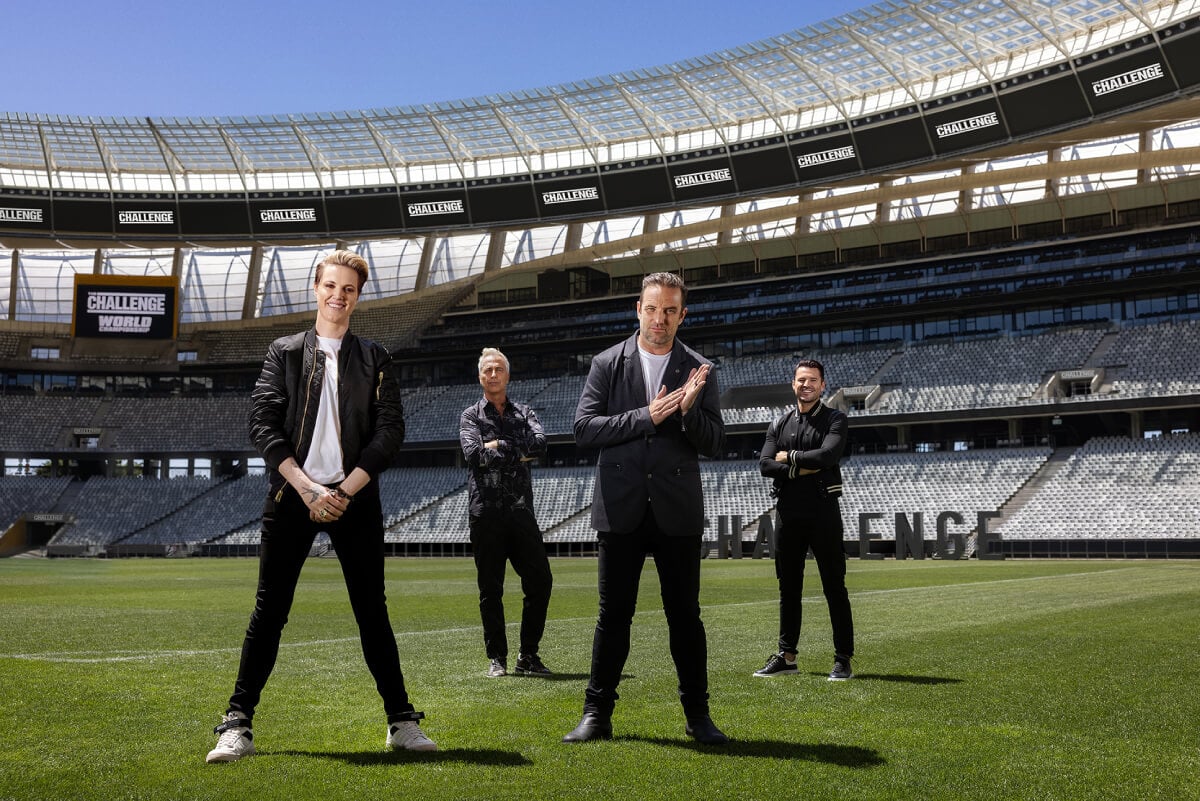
x,y
887,55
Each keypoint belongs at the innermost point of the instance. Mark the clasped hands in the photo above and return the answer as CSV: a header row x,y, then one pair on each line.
x,y
325,505
679,400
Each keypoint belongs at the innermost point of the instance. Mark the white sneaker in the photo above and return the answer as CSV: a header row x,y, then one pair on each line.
x,y
235,742
406,735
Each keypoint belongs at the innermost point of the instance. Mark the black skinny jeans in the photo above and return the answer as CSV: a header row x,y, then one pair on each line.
x,y
677,559
496,539
357,538
820,528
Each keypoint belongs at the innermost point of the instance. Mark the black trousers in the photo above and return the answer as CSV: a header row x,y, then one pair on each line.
x,y
677,559
819,528
357,538
499,538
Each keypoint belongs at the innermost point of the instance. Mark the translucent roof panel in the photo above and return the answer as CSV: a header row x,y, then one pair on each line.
x,y
606,112
20,144
340,140
268,145
199,147
667,103
413,135
727,91
73,146
541,120
131,147
474,131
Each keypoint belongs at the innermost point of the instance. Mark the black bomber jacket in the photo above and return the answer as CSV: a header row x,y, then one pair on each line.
x,y
813,441
286,397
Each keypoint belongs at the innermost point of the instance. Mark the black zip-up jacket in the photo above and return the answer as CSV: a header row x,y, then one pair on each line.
x,y
813,441
288,392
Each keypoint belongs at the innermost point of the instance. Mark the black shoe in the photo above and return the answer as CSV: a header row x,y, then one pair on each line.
x,y
704,731
593,727
841,669
777,665
531,665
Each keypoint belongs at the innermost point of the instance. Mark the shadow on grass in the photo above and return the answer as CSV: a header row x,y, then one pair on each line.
x,y
473,756
846,756
898,677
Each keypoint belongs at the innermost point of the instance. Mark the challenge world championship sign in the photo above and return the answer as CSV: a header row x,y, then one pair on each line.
x,y
131,307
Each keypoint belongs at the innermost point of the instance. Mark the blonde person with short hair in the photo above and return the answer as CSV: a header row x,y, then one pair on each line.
x,y
326,416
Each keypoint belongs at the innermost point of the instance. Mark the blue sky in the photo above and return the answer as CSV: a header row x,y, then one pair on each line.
x,y
136,58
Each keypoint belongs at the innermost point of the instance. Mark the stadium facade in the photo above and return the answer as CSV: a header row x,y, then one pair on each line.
x,y
980,216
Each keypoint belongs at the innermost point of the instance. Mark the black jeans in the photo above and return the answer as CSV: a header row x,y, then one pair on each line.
x,y
677,559
357,538
820,528
511,536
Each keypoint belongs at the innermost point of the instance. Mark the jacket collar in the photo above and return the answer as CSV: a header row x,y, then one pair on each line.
x,y
812,413
310,345
672,376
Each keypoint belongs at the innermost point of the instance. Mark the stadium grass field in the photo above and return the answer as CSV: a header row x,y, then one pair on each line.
x,y
975,680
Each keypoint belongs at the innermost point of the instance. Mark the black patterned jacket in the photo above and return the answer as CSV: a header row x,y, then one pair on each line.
x,y
500,479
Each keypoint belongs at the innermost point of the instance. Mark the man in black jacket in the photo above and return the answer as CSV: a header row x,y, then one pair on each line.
x,y
652,407
326,416
499,438
802,455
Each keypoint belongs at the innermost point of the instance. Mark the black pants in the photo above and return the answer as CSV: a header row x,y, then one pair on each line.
x,y
820,528
357,538
496,539
677,559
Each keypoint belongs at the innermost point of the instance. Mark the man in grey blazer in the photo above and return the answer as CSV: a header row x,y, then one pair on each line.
x,y
652,407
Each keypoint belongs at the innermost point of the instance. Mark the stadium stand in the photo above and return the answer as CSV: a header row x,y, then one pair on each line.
x,y
1117,488
1156,360
1113,487
965,482
109,509
981,373
444,523
20,495
406,492
224,507
43,422
179,423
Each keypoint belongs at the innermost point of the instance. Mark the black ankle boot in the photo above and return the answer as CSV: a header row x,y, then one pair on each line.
x,y
704,731
594,726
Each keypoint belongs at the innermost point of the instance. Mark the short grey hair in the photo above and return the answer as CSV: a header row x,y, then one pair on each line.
x,y
492,352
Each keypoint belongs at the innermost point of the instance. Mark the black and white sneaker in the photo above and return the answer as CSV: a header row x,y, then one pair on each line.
x,y
235,740
777,665
531,665
406,735
498,668
841,669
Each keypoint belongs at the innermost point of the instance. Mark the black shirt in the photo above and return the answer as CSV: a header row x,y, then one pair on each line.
x,y
499,480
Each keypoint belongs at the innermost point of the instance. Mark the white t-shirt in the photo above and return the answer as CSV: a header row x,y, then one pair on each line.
x,y
324,461
653,367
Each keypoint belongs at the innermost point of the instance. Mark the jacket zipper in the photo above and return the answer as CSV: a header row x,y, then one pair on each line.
x,y
303,415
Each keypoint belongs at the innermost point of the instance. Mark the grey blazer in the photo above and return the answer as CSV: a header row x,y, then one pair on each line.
x,y
642,464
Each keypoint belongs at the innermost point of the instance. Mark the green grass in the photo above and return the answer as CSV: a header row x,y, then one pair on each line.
x,y
975,680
